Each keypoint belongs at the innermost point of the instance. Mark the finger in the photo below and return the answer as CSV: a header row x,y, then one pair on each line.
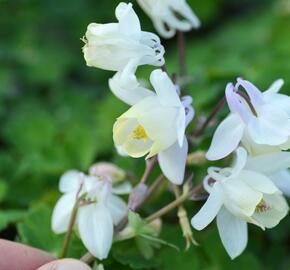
x,y
15,256
65,264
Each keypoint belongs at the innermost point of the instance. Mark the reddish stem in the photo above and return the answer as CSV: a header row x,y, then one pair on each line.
x,y
218,107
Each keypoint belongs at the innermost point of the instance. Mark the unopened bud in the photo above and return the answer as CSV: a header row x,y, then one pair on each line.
x,y
107,169
196,158
185,227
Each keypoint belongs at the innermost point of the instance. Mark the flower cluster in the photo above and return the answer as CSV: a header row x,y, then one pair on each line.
x,y
250,190
156,122
258,128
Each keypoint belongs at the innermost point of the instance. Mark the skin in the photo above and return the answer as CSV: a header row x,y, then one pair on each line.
x,y
16,256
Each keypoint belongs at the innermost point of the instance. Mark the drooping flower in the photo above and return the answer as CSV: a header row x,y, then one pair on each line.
x,y
98,212
260,121
155,125
166,16
238,196
113,46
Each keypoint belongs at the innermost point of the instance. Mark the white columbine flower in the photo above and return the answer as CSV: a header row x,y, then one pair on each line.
x,y
166,16
113,46
238,196
99,211
155,125
261,121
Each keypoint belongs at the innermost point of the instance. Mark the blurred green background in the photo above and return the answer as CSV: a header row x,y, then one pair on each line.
x,y
57,114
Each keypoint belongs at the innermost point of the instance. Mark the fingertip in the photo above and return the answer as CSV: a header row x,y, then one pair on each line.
x,y
27,257
65,264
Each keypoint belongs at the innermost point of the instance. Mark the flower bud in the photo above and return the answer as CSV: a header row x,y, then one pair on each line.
x,y
107,169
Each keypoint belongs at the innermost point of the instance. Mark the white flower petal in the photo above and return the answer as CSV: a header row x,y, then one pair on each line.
x,y
209,210
172,162
275,87
137,148
233,232
239,198
165,89
253,92
269,163
127,88
95,226
258,181
62,212
117,208
184,9
226,137
128,20
160,125
241,160
278,209
282,180
271,127
170,15
278,100
145,105
70,181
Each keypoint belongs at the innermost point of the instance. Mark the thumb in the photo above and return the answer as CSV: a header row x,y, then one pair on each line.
x,y
65,264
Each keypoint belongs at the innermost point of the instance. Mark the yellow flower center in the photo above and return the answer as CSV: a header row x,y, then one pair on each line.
x,y
262,207
139,133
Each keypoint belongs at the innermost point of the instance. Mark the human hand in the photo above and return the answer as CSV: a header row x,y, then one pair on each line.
x,y
15,256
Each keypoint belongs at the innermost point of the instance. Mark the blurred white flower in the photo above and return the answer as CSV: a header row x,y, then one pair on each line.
x,y
170,15
156,126
238,196
113,46
99,210
261,122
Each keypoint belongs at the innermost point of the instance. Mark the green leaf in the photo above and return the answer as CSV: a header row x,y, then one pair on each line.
x,y
145,247
159,241
35,230
128,254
